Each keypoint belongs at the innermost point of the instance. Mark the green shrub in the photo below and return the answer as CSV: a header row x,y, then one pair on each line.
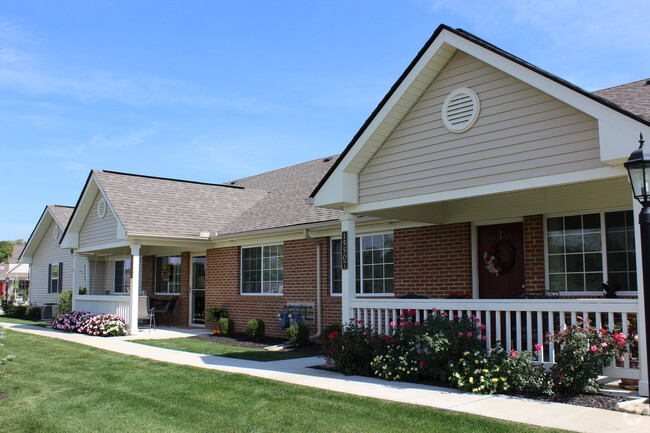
x,y
7,305
255,329
34,313
64,302
298,334
214,314
582,353
352,349
226,326
19,311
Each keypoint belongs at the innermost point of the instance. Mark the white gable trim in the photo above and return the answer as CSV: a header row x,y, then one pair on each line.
x,y
618,133
43,224
83,209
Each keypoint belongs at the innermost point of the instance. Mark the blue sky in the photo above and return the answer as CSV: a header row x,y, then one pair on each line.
x,y
218,90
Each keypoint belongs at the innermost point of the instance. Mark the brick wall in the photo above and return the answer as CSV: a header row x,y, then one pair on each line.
x,y
534,254
300,275
181,310
433,261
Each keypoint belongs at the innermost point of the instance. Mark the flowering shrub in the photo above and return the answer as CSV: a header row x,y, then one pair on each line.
x,y
352,349
500,372
582,354
399,362
70,322
103,325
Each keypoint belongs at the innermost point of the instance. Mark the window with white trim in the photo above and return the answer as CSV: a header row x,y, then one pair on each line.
x,y
262,270
54,277
168,274
122,280
585,251
374,265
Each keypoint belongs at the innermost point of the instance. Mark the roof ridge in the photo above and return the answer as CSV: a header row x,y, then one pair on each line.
x,y
323,159
621,85
171,179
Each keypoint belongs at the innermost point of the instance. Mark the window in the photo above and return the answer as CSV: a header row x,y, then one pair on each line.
x,y
122,281
584,251
374,264
54,278
262,270
168,274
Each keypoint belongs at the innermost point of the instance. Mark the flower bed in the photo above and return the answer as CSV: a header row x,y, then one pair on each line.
x,y
102,325
451,351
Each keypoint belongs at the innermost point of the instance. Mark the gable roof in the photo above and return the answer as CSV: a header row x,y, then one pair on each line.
x,y
284,205
52,213
424,68
633,97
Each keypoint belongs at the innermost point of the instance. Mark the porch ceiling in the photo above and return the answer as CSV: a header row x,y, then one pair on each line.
x,y
145,250
610,193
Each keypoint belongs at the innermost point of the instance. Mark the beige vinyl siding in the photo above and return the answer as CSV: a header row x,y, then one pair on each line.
x,y
48,252
96,231
97,276
520,133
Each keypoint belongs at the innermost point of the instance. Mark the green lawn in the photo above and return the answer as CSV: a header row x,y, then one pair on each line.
x,y
22,321
58,386
210,348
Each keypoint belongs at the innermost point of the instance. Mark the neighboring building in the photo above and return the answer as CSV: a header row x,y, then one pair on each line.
x,y
15,275
50,265
477,175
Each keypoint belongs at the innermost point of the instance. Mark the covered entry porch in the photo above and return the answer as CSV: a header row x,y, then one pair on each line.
x,y
130,279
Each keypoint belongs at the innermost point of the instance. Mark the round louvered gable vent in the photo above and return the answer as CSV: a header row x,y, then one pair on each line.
x,y
101,209
460,110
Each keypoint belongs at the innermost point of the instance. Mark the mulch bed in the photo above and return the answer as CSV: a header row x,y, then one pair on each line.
x,y
598,401
243,340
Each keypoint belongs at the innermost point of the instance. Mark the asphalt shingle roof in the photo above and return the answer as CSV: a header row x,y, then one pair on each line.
x,y
62,214
633,97
285,203
156,206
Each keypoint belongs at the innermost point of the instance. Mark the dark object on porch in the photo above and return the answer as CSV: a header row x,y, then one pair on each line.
x,y
162,307
610,290
413,296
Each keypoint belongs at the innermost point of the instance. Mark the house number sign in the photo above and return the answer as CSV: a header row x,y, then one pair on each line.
x,y
344,250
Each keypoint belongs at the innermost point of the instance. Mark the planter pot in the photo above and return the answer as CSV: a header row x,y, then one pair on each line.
x,y
630,384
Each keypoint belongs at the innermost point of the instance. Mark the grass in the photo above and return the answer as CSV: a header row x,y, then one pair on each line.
x,y
210,348
22,321
55,385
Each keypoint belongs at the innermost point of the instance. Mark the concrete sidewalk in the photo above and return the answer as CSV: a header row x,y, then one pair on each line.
x,y
297,371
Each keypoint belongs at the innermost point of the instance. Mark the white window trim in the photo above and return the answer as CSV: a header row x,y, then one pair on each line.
x,y
123,272
241,269
58,278
603,250
156,277
361,294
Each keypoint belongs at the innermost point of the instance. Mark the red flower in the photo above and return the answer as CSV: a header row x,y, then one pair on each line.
x,y
332,334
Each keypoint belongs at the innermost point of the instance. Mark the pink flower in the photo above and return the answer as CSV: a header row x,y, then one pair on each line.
x,y
476,319
460,334
593,348
469,334
422,363
416,324
481,327
444,314
603,330
392,324
484,338
538,347
359,322
603,344
332,334
513,353
455,316
392,340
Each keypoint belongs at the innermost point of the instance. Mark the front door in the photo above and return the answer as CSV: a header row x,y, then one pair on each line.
x,y
501,260
197,297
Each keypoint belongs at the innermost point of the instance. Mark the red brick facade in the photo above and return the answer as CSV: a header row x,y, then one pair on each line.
x,y
432,261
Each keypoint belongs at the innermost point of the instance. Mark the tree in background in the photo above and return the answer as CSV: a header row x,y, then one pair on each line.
x,y
7,249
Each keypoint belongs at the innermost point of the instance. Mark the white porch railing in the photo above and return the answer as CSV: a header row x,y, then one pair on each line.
x,y
120,305
519,324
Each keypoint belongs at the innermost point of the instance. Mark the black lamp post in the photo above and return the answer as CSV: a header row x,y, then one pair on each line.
x,y
638,167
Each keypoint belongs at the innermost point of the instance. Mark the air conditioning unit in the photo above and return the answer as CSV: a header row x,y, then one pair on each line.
x,y
48,311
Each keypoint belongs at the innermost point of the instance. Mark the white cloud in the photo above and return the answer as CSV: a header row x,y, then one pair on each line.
x,y
99,141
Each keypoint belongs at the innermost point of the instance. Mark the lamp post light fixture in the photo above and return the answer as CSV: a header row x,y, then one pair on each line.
x,y
638,168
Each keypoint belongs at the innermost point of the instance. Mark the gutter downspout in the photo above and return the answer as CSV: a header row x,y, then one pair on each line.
x,y
319,317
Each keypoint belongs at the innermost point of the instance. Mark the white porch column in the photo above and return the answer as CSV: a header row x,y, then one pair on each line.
x,y
643,339
348,274
135,289
75,279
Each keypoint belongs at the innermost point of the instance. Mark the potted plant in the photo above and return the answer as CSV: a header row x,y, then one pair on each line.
x,y
212,316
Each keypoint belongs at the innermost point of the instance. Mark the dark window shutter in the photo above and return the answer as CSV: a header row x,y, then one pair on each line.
x,y
49,278
60,285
